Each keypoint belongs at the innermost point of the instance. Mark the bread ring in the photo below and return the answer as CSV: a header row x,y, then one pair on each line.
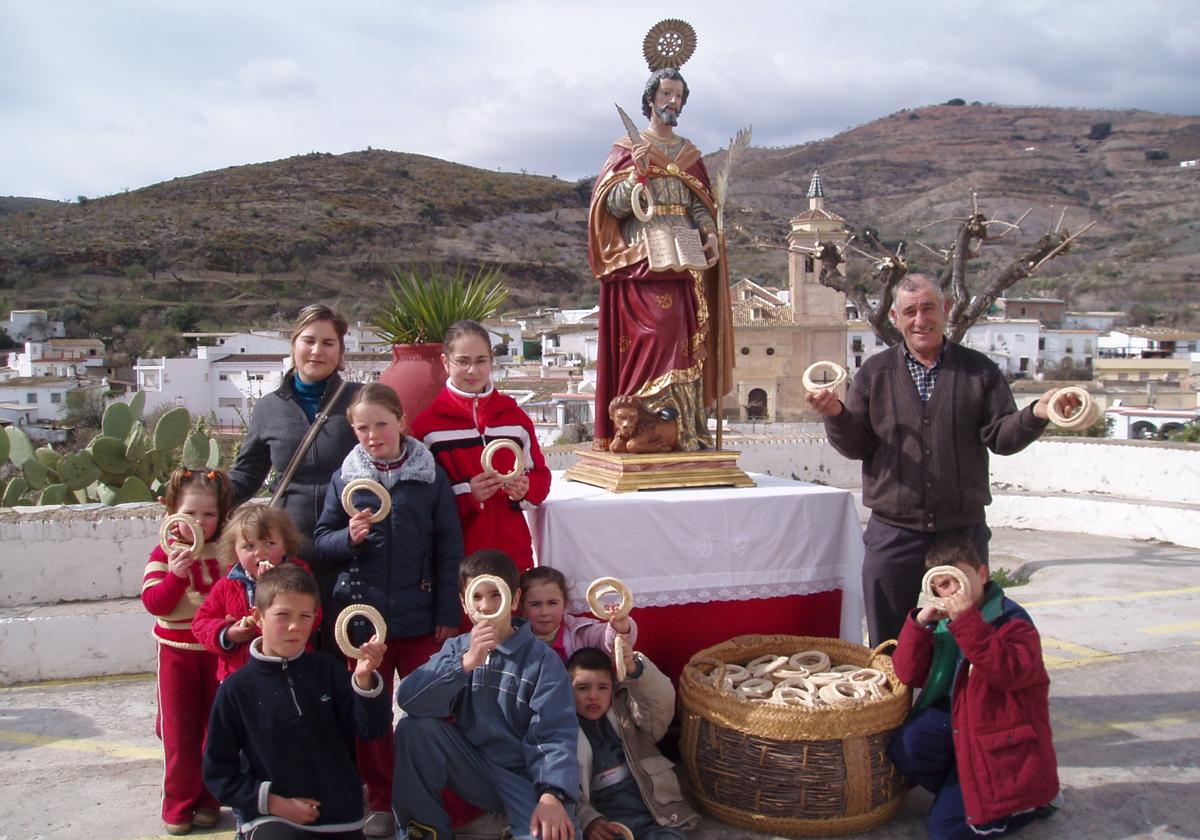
x,y
869,676
352,487
643,214
1081,419
937,571
813,661
623,830
505,598
341,628
824,678
793,696
601,585
844,669
785,674
844,693
736,674
164,532
619,659
764,665
794,682
839,376
756,688
489,452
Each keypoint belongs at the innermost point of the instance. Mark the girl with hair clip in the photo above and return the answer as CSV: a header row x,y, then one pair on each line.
x,y
256,538
175,584
544,603
465,417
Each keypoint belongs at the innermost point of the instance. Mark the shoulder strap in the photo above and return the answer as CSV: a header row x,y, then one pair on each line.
x,y
305,445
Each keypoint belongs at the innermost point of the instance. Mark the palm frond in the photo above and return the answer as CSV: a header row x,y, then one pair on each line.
x,y
423,305
737,145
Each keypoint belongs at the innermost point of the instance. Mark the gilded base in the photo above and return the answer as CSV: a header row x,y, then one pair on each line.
x,y
624,473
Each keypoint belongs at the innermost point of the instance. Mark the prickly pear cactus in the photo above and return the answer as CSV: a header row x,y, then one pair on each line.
x,y
14,492
36,474
118,420
133,490
78,470
109,455
172,429
137,405
20,448
48,457
55,494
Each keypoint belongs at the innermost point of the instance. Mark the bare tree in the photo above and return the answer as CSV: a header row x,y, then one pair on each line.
x,y
889,268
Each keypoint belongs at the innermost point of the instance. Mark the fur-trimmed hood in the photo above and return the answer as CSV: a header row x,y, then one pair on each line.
x,y
418,465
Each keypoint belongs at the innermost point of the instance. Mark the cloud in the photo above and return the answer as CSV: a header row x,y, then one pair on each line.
x,y
128,92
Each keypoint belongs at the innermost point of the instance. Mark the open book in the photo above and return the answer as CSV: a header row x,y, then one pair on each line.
x,y
675,247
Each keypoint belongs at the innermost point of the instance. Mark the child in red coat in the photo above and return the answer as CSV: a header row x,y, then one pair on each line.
x,y
176,582
256,538
979,735
466,416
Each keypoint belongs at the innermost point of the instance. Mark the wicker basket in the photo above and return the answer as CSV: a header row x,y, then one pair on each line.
x,y
791,770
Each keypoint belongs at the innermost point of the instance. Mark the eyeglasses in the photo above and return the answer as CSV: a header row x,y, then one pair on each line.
x,y
463,363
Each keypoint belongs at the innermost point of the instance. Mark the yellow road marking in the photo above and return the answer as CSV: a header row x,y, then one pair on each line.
x,y
1076,729
1127,596
1083,655
1165,629
77,681
87,745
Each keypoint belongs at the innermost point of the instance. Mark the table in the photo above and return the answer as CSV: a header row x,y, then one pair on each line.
x,y
706,564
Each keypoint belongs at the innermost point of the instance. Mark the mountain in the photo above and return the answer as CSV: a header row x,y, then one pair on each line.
x,y
250,243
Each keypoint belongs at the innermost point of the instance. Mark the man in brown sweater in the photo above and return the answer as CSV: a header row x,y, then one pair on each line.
x,y
924,448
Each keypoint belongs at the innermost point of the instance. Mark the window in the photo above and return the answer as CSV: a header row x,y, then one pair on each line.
x,y
878,341
31,397
756,313
1144,376
1087,345
1041,343
222,377
55,398
1020,338
1024,364
858,360
1070,345
229,402
747,294
857,345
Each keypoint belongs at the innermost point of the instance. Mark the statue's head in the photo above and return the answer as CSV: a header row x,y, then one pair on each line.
x,y
654,83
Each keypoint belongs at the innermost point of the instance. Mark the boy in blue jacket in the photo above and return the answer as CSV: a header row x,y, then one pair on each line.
x,y
280,738
511,745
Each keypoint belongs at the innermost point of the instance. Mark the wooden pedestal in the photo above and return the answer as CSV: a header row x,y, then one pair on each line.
x,y
622,473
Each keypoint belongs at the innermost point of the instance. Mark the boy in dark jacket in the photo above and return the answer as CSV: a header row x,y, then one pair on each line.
x,y
280,738
511,745
979,735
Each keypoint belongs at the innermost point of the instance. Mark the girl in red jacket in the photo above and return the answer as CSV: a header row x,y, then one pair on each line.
x,y
466,416
256,538
176,582
979,735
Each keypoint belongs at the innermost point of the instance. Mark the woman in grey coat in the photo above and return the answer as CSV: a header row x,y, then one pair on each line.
x,y
282,418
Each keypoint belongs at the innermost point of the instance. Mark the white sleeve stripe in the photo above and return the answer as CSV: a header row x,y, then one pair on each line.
x,y
513,432
447,435
459,489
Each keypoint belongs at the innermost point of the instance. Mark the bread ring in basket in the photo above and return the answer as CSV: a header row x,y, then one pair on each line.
x,y
813,661
606,584
341,629
765,665
756,688
489,452
165,537
352,487
505,598
844,693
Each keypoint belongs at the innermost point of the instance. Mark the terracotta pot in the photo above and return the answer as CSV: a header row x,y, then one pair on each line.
x,y
416,374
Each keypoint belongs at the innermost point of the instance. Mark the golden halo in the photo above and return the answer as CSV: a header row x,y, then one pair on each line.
x,y
669,43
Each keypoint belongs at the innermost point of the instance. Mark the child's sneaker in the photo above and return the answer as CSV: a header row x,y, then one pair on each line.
x,y
175,829
206,817
1050,808
379,824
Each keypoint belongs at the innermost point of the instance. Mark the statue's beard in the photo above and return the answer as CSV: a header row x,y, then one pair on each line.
x,y
668,116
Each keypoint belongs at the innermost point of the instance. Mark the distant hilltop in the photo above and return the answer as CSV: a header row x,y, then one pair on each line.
x,y
248,243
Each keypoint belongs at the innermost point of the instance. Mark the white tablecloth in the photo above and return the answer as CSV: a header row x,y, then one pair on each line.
x,y
777,538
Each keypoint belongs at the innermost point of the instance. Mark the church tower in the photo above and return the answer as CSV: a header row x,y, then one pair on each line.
x,y
810,300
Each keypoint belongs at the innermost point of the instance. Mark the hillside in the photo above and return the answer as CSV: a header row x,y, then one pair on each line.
x,y
248,243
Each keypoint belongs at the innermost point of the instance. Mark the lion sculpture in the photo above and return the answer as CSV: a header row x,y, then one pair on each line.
x,y
639,430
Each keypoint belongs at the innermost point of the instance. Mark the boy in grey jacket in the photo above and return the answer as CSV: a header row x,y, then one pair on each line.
x,y
511,745
626,781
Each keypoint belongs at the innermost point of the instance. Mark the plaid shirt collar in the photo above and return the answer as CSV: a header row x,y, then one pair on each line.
x,y
924,377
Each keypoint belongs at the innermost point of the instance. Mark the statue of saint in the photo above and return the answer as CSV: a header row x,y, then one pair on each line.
x,y
653,244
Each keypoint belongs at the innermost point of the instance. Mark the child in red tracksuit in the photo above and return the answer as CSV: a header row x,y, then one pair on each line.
x,y
467,415
175,584
979,734
255,538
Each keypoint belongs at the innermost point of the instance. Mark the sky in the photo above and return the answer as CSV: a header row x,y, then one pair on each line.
x,y
100,96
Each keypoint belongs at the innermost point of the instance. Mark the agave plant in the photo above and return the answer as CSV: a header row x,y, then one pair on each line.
x,y
423,305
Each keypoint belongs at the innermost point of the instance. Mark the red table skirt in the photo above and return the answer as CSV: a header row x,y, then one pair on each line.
x,y
670,635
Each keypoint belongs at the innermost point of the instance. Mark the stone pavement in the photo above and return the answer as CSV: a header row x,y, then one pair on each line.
x,y
1121,629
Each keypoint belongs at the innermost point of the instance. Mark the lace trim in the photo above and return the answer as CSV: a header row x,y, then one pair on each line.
x,y
704,594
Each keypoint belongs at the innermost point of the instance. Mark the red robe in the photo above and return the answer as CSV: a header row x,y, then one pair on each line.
x,y
656,328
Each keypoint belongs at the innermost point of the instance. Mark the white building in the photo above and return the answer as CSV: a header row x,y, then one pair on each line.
x,y
576,345
1077,345
60,357
1099,321
1012,344
46,395
31,324
1148,422
861,344
1150,343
